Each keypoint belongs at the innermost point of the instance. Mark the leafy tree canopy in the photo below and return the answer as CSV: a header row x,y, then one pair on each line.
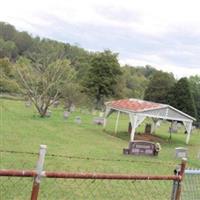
x,y
103,76
159,86
181,97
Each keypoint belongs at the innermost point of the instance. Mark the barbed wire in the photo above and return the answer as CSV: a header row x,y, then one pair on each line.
x,y
90,158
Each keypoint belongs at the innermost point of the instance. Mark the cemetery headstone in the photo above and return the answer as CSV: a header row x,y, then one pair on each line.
x,y
78,120
98,120
66,114
48,113
173,128
72,108
28,104
181,152
148,128
56,104
140,147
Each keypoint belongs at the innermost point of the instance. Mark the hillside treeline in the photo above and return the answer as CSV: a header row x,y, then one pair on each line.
x,y
45,71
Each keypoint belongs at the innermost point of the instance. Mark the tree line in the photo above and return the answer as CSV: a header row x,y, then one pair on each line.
x,y
46,70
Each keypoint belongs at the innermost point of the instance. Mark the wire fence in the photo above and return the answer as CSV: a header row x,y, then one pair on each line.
x,y
11,159
191,185
104,182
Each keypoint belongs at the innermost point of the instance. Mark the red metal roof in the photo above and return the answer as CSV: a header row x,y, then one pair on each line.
x,y
135,105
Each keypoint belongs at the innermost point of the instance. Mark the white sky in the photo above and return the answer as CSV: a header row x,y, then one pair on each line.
x,y
162,33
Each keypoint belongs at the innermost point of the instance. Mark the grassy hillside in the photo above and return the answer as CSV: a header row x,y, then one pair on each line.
x,y
23,130
84,147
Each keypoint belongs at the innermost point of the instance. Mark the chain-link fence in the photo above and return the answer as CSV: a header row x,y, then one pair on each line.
x,y
191,185
77,181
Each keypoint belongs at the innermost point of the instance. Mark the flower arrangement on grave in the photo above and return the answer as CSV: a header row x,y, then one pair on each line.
x,y
158,147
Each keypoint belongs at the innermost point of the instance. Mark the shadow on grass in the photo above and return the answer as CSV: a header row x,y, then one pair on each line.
x,y
163,139
122,135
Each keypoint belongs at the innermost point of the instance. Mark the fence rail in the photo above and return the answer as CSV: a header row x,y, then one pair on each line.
x,y
79,185
76,175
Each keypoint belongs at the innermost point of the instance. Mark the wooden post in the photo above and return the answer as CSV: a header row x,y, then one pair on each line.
x,y
176,192
117,122
39,169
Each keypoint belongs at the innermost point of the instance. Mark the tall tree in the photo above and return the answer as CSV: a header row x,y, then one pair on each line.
x,y
181,97
7,81
23,41
7,49
159,86
135,82
195,89
102,77
42,84
7,31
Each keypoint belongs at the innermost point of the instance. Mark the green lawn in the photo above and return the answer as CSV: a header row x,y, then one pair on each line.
x,y
22,130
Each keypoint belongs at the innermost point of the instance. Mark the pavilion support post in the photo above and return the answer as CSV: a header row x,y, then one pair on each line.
x,y
133,120
107,112
188,127
117,122
188,138
189,130
154,125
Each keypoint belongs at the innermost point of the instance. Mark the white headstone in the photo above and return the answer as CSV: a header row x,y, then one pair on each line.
x,y
78,120
48,113
66,114
181,152
56,103
72,108
28,104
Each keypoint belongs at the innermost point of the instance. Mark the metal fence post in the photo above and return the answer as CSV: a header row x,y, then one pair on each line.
x,y
39,169
176,191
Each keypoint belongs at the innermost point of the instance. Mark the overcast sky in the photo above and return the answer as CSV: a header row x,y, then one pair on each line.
x,y
162,33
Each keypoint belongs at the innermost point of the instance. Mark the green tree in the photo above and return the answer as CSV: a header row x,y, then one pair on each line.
x,y
103,77
135,82
195,89
7,81
23,41
7,31
42,84
7,49
181,97
159,86
71,93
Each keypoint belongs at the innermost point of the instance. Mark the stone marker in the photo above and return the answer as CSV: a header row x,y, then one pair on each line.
x,y
98,120
28,104
72,108
140,147
66,114
48,113
181,152
55,104
148,129
78,120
